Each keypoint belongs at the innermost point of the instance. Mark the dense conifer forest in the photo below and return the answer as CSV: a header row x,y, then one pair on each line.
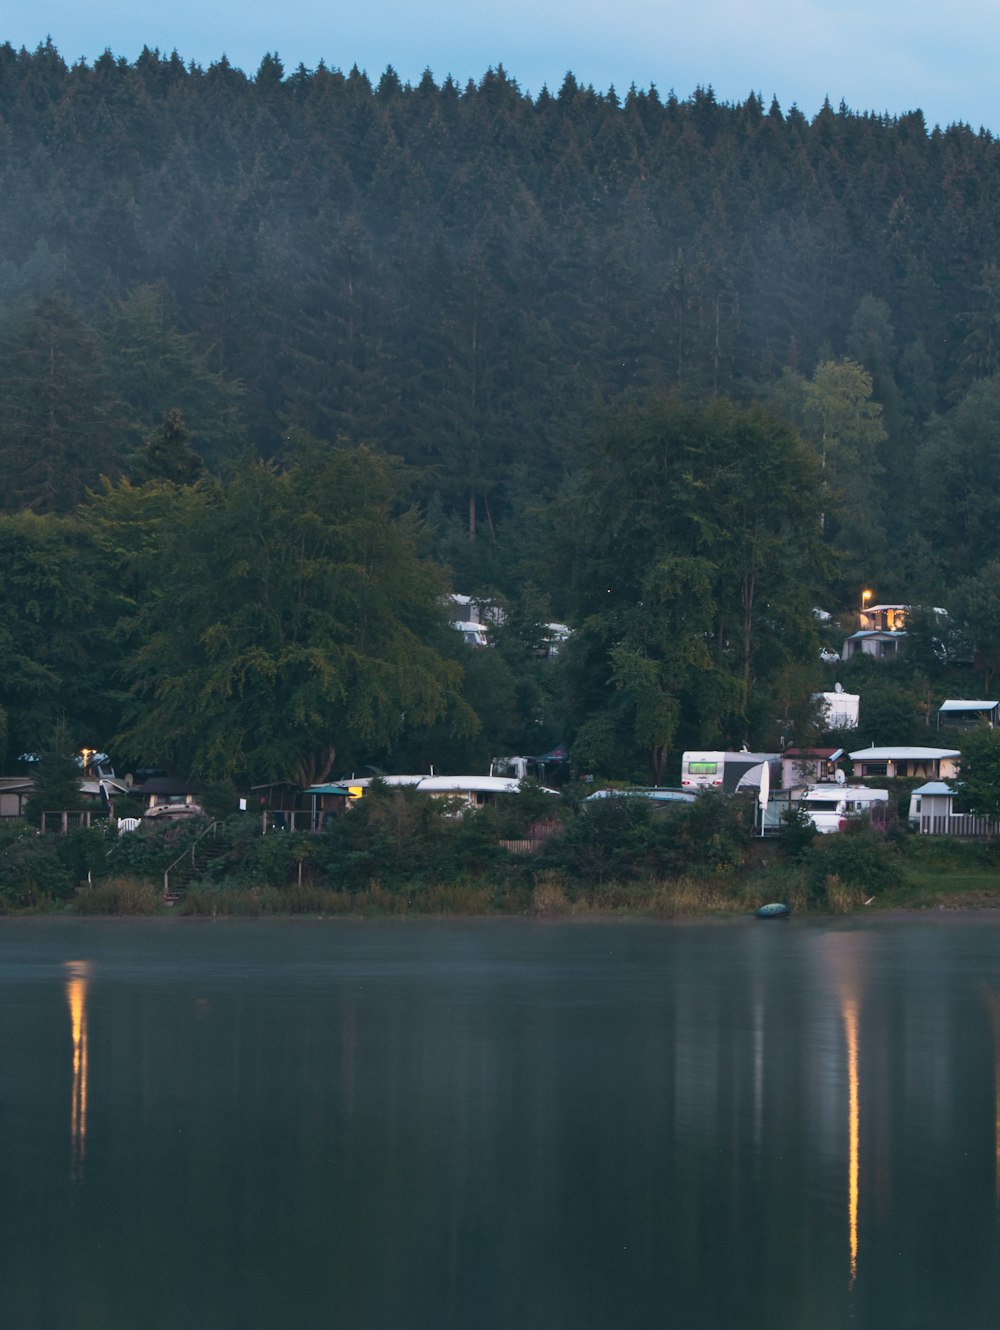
x,y
284,357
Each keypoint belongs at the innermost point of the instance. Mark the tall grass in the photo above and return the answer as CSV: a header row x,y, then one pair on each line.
x,y
119,895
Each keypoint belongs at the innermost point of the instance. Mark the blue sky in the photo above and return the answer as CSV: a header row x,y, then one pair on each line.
x,y
879,55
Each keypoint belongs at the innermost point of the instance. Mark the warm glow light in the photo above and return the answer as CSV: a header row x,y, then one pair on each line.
x,y
76,995
850,1014
866,597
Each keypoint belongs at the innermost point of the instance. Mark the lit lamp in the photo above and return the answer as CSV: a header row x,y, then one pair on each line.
x,y
865,598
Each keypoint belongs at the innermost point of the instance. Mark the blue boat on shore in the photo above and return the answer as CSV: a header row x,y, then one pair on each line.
x,y
773,911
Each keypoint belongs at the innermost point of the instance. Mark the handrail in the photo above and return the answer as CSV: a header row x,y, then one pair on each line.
x,y
212,826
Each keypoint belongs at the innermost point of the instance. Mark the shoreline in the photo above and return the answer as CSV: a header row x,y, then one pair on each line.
x,y
893,912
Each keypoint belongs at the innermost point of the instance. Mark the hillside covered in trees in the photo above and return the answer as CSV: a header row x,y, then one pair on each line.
x,y
743,361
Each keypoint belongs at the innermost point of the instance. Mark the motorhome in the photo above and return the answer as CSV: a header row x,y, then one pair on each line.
x,y
726,771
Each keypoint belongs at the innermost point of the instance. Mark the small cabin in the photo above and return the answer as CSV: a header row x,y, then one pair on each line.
x,y
908,762
959,714
875,643
932,813
883,618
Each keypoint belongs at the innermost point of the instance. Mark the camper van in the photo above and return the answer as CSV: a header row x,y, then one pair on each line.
x,y
831,807
725,771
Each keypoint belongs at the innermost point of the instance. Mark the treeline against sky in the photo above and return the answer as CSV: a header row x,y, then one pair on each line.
x,y
205,272
457,274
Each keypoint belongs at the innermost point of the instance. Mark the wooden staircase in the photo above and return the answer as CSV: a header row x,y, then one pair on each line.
x,y
191,864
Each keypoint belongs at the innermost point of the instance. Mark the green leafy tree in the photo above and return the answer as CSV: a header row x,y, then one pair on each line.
x,y
837,414
293,622
58,609
690,553
976,607
979,774
961,514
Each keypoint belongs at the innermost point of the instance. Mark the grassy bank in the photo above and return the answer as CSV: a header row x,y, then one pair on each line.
x,y
552,895
396,855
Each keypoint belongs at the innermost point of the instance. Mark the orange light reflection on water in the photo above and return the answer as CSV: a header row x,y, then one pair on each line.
x,y
76,995
850,1015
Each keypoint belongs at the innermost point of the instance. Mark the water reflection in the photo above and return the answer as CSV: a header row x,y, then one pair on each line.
x,y
993,1006
76,995
850,1015
374,1125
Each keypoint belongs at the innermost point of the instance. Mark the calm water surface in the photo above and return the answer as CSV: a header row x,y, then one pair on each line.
x,y
505,1124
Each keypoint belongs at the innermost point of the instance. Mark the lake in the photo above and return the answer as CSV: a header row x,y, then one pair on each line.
x,y
500,1123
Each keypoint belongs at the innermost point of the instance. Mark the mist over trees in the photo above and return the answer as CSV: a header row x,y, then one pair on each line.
x,y
512,296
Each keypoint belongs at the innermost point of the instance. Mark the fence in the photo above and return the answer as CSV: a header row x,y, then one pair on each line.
x,y
67,821
964,825
527,845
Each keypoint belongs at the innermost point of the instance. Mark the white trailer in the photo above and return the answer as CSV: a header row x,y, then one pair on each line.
x,y
725,771
830,807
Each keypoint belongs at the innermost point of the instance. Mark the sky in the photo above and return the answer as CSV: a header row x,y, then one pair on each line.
x,y
890,56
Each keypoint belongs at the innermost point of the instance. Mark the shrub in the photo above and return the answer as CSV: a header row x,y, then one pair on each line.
x,y
796,833
855,858
31,869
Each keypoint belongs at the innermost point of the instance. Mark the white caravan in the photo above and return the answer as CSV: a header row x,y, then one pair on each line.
x,y
726,771
831,807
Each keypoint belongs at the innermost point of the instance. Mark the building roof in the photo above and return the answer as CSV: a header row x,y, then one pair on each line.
x,y
658,794
829,754
933,787
903,754
327,789
959,705
468,784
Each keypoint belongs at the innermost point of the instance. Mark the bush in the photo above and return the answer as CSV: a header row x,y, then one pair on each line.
x,y
857,859
32,869
796,833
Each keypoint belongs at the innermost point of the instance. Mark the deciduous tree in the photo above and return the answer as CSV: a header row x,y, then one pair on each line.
x,y
292,623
